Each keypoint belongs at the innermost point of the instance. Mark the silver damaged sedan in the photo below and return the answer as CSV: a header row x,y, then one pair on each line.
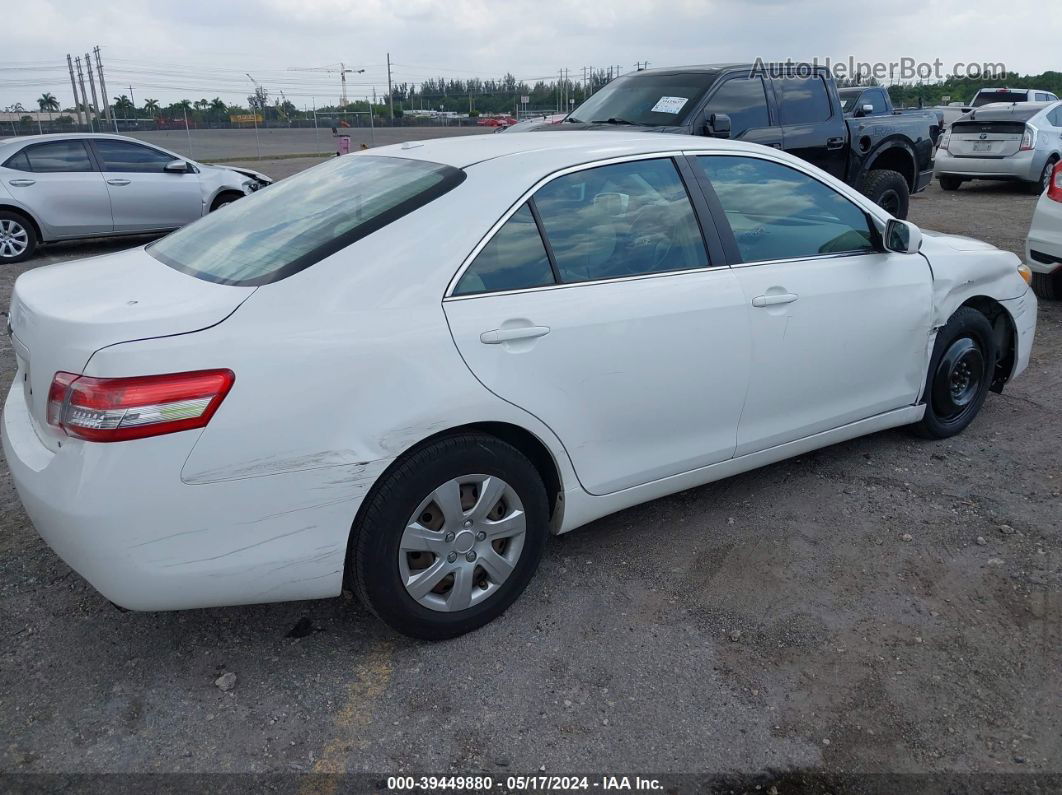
x,y
78,185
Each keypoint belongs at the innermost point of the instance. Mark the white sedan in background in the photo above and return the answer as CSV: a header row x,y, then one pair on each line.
x,y
403,370
76,185
1043,248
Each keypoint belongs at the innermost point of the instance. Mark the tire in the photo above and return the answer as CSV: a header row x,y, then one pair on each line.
x,y
888,189
224,198
446,587
18,238
960,374
949,183
1047,286
1036,188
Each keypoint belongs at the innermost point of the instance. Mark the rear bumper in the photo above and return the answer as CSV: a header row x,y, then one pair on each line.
x,y
1024,166
120,516
1045,237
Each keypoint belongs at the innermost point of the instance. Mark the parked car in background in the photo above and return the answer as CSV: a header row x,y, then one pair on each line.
x,y
77,185
991,96
861,101
1043,247
1019,142
793,107
237,412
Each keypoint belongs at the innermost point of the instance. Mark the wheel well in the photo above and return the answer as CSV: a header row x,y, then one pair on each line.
x,y
1006,335
32,221
896,159
222,194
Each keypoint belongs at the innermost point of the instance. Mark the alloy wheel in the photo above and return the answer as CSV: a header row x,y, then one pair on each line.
x,y
462,542
14,238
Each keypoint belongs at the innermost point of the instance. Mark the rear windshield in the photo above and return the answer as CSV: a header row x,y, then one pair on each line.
x,y
652,99
289,226
988,97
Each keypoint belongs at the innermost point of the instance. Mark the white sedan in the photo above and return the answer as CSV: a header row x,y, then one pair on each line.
x,y
1043,247
402,370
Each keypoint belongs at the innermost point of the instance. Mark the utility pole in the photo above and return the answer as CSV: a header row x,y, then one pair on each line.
x,y
103,89
92,85
84,96
73,87
390,92
343,84
132,99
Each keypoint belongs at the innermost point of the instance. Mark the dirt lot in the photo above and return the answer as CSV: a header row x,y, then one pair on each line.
x,y
776,627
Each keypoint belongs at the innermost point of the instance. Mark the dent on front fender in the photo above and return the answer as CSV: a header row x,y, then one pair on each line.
x,y
959,276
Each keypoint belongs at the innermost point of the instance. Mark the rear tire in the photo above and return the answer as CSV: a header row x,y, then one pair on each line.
x,y
960,374
1037,188
949,183
430,556
888,189
18,238
1048,286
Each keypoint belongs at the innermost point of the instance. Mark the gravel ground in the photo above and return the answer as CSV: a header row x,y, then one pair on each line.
x,y
887,605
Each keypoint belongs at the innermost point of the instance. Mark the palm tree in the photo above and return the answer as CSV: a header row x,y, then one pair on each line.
x,y
124,105
202,104
151,106
48,103
218,107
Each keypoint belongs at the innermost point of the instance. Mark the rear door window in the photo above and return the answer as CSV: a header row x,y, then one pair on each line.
x,y
744,101
289,226
626,219
804,100
57,156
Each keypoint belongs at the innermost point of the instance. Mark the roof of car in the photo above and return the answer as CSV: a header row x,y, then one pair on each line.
x,y
33,139
577,145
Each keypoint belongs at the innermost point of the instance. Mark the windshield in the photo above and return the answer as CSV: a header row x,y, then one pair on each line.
x,y
992,95
649,99
289,226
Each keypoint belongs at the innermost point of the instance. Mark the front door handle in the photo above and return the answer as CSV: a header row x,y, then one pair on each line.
x,y
774,299
834,143
22,183
499,335
117,181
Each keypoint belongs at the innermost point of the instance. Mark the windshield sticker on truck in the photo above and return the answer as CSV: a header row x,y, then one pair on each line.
x,y
669,104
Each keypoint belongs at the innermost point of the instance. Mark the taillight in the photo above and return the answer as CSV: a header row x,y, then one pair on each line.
x,y
119,409
1054,189
945,139
1028,140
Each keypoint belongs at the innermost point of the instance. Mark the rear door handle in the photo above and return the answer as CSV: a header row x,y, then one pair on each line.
x,y
774,299
499,335
117,181
22,183
834,143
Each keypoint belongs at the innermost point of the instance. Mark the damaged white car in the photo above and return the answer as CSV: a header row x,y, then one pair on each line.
x,y
401,371
78,185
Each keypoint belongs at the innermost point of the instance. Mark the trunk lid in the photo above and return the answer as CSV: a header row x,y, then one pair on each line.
x,y
62,314
986,138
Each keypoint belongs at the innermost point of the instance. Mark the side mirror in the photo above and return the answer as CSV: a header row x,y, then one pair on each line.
x,y
902,237
718,126
866,110
176,167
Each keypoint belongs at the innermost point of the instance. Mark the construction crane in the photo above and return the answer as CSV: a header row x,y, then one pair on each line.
x,y
331,69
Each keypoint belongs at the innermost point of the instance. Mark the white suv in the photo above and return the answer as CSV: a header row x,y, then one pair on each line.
x,y
1020,142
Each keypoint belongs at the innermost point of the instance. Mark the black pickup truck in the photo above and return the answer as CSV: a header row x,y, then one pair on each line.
x,y
858,102
794,107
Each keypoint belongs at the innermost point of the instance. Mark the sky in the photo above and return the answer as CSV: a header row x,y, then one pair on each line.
x,y
175,49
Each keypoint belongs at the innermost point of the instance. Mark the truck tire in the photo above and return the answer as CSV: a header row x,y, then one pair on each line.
x,y
888,189
949,183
